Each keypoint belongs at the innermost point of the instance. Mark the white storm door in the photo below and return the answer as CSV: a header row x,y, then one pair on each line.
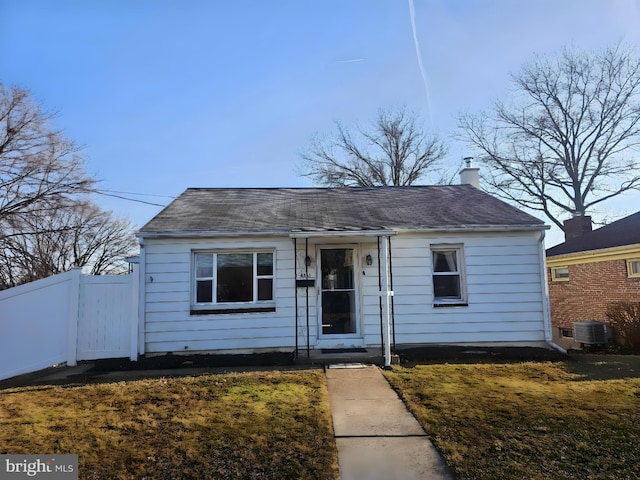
x,y
338,293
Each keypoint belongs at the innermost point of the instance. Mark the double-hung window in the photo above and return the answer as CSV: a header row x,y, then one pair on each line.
x,y
233,278
448,275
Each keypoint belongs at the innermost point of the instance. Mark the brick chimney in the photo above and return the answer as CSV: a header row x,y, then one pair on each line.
x,y
469,174
576,226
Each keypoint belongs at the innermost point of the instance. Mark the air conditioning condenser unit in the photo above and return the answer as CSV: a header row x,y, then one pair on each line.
x,y
590,332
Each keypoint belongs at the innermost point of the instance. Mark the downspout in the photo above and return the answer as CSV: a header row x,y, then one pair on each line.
x,y
380,300
295,286
546,310
385,293
306,276
393,313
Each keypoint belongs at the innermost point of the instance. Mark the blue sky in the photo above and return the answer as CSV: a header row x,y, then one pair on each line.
x,y
166,95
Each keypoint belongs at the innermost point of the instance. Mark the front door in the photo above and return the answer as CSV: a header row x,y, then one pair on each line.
x,y
338,294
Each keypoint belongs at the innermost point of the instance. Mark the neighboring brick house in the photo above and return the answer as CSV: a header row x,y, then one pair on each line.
x,y
591,270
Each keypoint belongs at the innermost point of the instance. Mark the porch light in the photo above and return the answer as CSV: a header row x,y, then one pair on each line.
x,y
369,259
307,261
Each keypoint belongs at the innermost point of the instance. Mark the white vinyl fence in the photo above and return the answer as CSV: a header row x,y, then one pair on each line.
x,y
66,318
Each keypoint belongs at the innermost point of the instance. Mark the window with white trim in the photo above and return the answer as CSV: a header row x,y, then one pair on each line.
x,y
560,274
633,267
448,274
229,278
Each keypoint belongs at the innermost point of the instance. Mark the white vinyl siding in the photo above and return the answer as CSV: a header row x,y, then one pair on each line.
x,y
502,273
168,283
503,291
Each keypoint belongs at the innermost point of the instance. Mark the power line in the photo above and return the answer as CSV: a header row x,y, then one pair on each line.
x,y
139,194
99,192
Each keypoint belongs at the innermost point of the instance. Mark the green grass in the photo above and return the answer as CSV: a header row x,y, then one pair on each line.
x,y
259,425
578,419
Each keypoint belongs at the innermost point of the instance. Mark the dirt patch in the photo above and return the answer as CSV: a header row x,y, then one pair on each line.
x,y
171,361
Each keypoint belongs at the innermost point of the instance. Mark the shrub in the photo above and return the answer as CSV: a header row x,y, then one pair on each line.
x,y
625,319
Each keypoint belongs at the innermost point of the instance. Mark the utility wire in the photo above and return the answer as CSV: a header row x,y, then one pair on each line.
x,y
139,194
128,199
115,194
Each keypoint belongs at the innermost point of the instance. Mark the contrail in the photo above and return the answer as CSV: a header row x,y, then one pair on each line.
x,y
423,72
350,61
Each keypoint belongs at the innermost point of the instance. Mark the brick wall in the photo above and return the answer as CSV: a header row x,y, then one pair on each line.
x,y
591,287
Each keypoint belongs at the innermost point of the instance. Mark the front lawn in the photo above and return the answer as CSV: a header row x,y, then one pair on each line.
x,y
274,425
563,420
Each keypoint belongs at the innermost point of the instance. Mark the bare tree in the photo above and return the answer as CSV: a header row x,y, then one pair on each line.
x,y
47,225
44,243
395,151
37,163
569,138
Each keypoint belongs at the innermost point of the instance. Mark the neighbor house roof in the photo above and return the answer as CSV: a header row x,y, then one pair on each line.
x,y
625,231
290,210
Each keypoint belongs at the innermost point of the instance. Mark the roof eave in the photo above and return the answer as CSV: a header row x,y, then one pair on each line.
x,y
209,233
333,233
475,228
596,255
342,233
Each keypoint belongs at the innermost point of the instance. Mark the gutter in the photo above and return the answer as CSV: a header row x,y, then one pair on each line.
x,y
342,233
262,233
546,309
209,233
384,231
621,252
474,228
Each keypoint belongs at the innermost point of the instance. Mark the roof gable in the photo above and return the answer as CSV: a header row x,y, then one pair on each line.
x,y
625,231
286,210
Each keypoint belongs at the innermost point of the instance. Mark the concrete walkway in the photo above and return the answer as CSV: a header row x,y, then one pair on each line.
x,y
377,437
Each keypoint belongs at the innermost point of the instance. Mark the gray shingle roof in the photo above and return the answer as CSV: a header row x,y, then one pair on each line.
x,y
286,210
625,231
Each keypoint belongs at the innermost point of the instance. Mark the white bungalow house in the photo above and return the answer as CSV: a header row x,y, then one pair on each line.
x,y
249,270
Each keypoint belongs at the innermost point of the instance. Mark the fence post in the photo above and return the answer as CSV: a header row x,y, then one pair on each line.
x,y
74,313
134,278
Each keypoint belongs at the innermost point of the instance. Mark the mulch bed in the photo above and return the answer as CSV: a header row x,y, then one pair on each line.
x,y
172,361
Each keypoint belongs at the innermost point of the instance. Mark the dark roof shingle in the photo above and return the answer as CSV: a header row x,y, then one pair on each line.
x,y
246,210
625,231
